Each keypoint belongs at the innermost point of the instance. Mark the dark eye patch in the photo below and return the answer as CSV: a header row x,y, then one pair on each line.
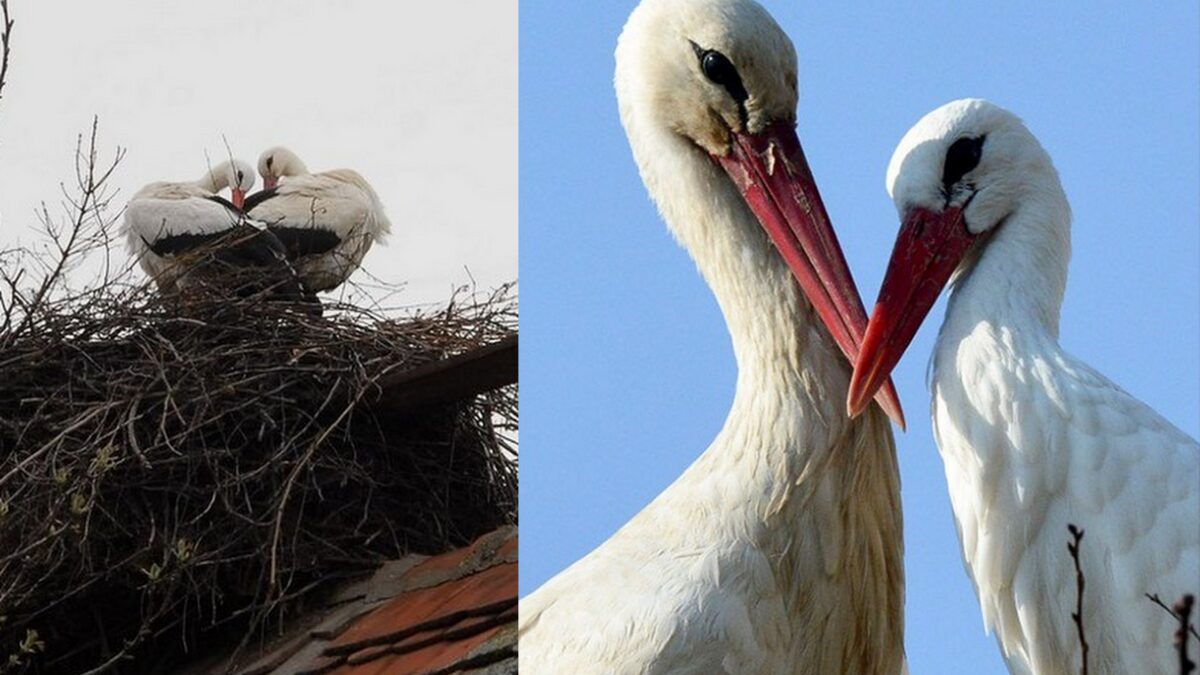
x,y
720,71
961,158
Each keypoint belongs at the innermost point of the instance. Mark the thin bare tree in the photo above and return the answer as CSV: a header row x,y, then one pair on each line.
x,y
5,40
1077,615
1183,611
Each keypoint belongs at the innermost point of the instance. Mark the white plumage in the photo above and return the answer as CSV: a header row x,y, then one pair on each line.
x,y
167,224
328,221
779,550
1032,438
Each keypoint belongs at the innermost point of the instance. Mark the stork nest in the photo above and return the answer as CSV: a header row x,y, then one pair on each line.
x,y
174,480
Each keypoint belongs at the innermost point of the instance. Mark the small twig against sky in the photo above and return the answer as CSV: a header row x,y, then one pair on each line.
x,y
1153,597
1077,615
1183,611
5,44
228,148
84,227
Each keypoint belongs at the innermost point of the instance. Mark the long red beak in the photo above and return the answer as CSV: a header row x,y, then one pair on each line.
x,y
238,197
928,250
772,174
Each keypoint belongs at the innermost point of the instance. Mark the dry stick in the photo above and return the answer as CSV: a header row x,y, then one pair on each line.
x,y
1183,610
54,441
4,43
1153,597
301,464
1077,615
92,181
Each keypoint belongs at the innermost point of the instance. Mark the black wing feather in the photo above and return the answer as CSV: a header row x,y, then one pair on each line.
x,y
224,202
302,241
176,244
252,259
259,197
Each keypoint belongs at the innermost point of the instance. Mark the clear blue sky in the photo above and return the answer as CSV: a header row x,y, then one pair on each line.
x,y
626,368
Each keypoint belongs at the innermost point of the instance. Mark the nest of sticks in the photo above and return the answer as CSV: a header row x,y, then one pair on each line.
x,y
176,478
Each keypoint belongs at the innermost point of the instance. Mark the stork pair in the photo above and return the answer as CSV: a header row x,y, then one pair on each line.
x,y
302,234
780,549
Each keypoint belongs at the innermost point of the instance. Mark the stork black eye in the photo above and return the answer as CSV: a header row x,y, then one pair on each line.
x,y
240,176
720,70
961,158
270,161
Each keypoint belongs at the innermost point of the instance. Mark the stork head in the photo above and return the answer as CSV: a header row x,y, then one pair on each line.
x,y
956,178
707,69
234,174
279,161
712,84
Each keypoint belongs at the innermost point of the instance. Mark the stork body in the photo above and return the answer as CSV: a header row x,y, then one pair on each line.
x,y
1032,438
779,551
327,221
175,228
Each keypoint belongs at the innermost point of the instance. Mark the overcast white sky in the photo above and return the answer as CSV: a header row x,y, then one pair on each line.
x,y
421,98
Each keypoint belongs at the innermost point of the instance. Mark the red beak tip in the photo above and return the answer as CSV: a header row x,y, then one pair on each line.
x,y
854,397
851,410
857,401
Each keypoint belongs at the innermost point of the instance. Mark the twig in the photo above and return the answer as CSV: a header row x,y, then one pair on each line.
x,y
1077,615
5,44
1183,610
1153,597
86,226
53,442
301,464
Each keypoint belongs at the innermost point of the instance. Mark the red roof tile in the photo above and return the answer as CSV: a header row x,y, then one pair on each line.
x,y
452,613
443,606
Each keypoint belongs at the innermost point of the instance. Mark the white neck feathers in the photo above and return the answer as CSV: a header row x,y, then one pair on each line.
x,y
785,358
1018,274
215,179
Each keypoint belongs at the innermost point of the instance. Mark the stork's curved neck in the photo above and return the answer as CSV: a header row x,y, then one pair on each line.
x,y
215,179
288,164
784,357
1019,276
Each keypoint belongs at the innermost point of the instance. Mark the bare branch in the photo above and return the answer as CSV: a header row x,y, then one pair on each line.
x,y
1077,615
5,44
1183,611
1153,597
86,226
1180,612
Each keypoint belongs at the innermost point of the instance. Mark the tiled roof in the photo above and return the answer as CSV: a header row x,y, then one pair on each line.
x,y
448,614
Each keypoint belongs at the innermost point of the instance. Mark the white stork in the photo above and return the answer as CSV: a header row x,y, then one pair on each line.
x,y
1032,438
327,220
169,226
779,551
